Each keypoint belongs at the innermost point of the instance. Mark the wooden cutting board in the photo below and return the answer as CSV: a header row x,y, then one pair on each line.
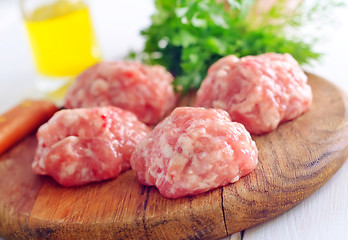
x,y
294,161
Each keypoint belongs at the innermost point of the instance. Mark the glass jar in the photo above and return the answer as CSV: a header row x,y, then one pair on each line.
x,y
62,40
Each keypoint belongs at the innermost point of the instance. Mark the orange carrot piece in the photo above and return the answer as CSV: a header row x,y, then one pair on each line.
x,y
22,120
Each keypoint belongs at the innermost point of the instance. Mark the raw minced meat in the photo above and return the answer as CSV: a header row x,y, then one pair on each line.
x,y
257,91
192,151
79,146
144,90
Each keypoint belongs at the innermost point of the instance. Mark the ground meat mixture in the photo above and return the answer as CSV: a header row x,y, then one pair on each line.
x,y
192,151
144,90
79,146
257,91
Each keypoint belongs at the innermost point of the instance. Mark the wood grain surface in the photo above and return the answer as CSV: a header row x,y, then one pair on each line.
x,y
294,161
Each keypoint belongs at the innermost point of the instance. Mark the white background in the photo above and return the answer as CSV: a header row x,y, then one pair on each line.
x,y
324,215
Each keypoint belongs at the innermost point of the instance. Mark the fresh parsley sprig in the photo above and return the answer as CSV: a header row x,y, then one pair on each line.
x,y
187,36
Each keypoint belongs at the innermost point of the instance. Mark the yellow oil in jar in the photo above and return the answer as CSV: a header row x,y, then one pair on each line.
x,y
62,38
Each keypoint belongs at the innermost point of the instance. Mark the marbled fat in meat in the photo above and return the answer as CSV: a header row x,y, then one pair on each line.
x,y
79,146
258,91
144,90
192,151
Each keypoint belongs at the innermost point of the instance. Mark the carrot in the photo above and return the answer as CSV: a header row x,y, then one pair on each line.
x,y
22,120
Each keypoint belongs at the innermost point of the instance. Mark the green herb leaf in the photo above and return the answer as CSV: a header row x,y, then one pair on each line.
x,y
188,36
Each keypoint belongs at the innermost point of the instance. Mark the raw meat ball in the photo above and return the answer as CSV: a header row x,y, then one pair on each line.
x,y
192,151
257,91
144,90
79,146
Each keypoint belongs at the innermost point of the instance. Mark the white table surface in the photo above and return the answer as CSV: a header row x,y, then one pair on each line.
x,y
324,215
